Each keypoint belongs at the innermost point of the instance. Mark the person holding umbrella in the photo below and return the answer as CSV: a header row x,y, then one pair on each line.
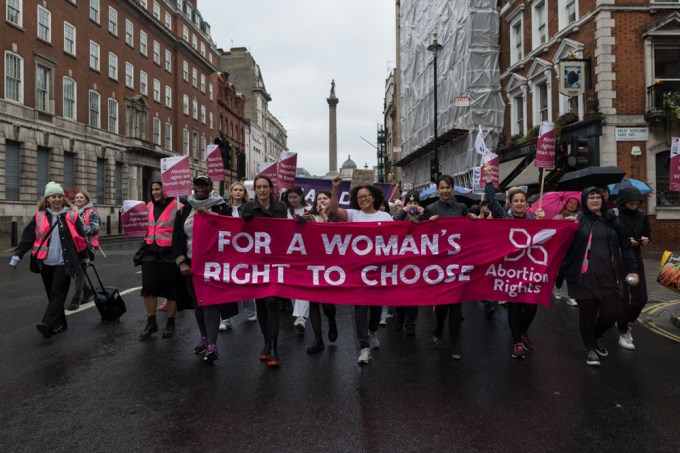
x,y
570,209
598,262
635,224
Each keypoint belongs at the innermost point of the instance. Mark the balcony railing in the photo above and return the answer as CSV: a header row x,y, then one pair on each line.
x,y
656,95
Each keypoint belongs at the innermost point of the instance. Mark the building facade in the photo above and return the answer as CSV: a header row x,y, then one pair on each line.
x,y
625,68
232,128
96,92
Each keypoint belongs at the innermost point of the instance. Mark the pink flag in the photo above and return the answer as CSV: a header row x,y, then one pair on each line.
x,y
480,145
286,170
271,170
446,261
674,173
135,218
214,162
176,176
545,146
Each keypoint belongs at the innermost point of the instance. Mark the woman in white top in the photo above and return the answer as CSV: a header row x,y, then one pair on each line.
x,y
364,202
238,197
297,207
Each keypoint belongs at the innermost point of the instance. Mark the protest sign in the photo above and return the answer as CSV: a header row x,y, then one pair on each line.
x,y
674,172
545,146
286,170
134,219
310,186
176,176
394,263
214,162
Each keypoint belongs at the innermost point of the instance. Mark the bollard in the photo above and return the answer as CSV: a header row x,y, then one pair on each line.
x,y
120,225
108,224
15,234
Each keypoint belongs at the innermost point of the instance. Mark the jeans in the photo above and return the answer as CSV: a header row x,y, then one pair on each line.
x,y
207,317
520,316
366,319
56,284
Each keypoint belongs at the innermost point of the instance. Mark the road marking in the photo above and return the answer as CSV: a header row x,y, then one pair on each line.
x,y
91,304
656,311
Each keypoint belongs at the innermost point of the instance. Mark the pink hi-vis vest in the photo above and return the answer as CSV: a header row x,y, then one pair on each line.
x,y
160,230
94,238
42,227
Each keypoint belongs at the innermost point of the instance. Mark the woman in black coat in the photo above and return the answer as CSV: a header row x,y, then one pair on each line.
x,y
595,269
207,316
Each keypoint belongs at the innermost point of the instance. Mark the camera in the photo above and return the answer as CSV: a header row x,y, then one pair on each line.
x,y
413,210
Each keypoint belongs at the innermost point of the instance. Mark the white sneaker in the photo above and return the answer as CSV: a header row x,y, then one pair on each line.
x,y
299,324
557,295
373,340
252,318
626,340
225,325
383,322
572,302
365,355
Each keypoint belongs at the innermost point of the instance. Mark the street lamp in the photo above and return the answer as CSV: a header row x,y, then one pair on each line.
x,y
435,47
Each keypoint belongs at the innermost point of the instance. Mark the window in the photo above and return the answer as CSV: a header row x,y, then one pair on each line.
x,y
42,170
168,96
156,90
203,147
168,60
69,38
194,77
168,136
113,21
157,53
194,41
516,41
12,170
203,114
195,109
101,180
95,120
539,23
69,169
194,145
119,183
142,43
156,10
210,91
113,66
94,55
143,3
185,33
129,33
14,76
44,24
113,116
94,10
13,13
664,197
185,71
129,75
156,131
168,21
143,83
519,125
185,141
210,119
202,83
210,58
666,62
43,84
567,12
202,49
185,104
69,106
541,102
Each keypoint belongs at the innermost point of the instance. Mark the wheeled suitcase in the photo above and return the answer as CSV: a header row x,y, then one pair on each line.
x,y
107,299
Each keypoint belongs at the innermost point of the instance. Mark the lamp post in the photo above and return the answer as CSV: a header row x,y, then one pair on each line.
x,y
435,47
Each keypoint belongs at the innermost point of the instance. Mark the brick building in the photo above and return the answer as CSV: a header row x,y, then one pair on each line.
x,y
625,57
96,92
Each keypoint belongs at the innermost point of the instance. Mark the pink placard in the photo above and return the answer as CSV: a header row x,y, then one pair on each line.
x,y
134,219
545,146
214,162
176,176
286,170
494,163
674,172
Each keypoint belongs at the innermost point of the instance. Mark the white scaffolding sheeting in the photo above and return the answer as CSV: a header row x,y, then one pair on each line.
x,y
467,65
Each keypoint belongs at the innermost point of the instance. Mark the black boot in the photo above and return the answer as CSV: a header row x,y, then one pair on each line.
x,y
169,328
150,328
317,346
332,331
273,360
73,305
264,355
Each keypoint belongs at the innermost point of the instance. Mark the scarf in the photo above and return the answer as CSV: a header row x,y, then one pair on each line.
x,y
212,200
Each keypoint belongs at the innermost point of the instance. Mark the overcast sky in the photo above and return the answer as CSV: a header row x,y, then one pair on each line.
x,y
300,46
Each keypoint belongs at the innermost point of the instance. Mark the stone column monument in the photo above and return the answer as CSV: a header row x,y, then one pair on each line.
x,y
332,133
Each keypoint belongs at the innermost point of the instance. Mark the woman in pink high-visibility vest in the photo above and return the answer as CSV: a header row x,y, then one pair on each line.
x,y
55,237
90,219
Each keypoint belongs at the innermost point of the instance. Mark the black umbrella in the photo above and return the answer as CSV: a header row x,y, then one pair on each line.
x,y
589,177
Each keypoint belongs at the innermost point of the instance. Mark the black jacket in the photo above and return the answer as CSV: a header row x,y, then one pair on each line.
x,y
441,209
179,237
277,210
71,256
634,224
619,244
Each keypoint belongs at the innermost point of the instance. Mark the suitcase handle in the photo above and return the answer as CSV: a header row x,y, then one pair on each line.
x,y
101,285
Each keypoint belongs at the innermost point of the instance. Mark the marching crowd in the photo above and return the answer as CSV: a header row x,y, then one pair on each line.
x,y
603,268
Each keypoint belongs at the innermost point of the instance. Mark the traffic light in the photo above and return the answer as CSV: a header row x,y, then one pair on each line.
x,y
240,164
581,154
434,169
225,151
562,153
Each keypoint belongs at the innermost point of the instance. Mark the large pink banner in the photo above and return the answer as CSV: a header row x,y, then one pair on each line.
x,y
384,263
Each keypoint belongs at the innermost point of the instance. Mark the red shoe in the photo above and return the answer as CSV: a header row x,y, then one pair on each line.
x,y
163,306
518,351
526,342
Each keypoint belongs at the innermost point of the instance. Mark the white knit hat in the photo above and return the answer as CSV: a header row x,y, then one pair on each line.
x,y
53,188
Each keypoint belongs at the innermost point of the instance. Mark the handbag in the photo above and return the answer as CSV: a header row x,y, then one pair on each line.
x,y
36,265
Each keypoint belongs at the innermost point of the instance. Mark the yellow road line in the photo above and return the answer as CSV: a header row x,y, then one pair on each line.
x,y
653,309
656,329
